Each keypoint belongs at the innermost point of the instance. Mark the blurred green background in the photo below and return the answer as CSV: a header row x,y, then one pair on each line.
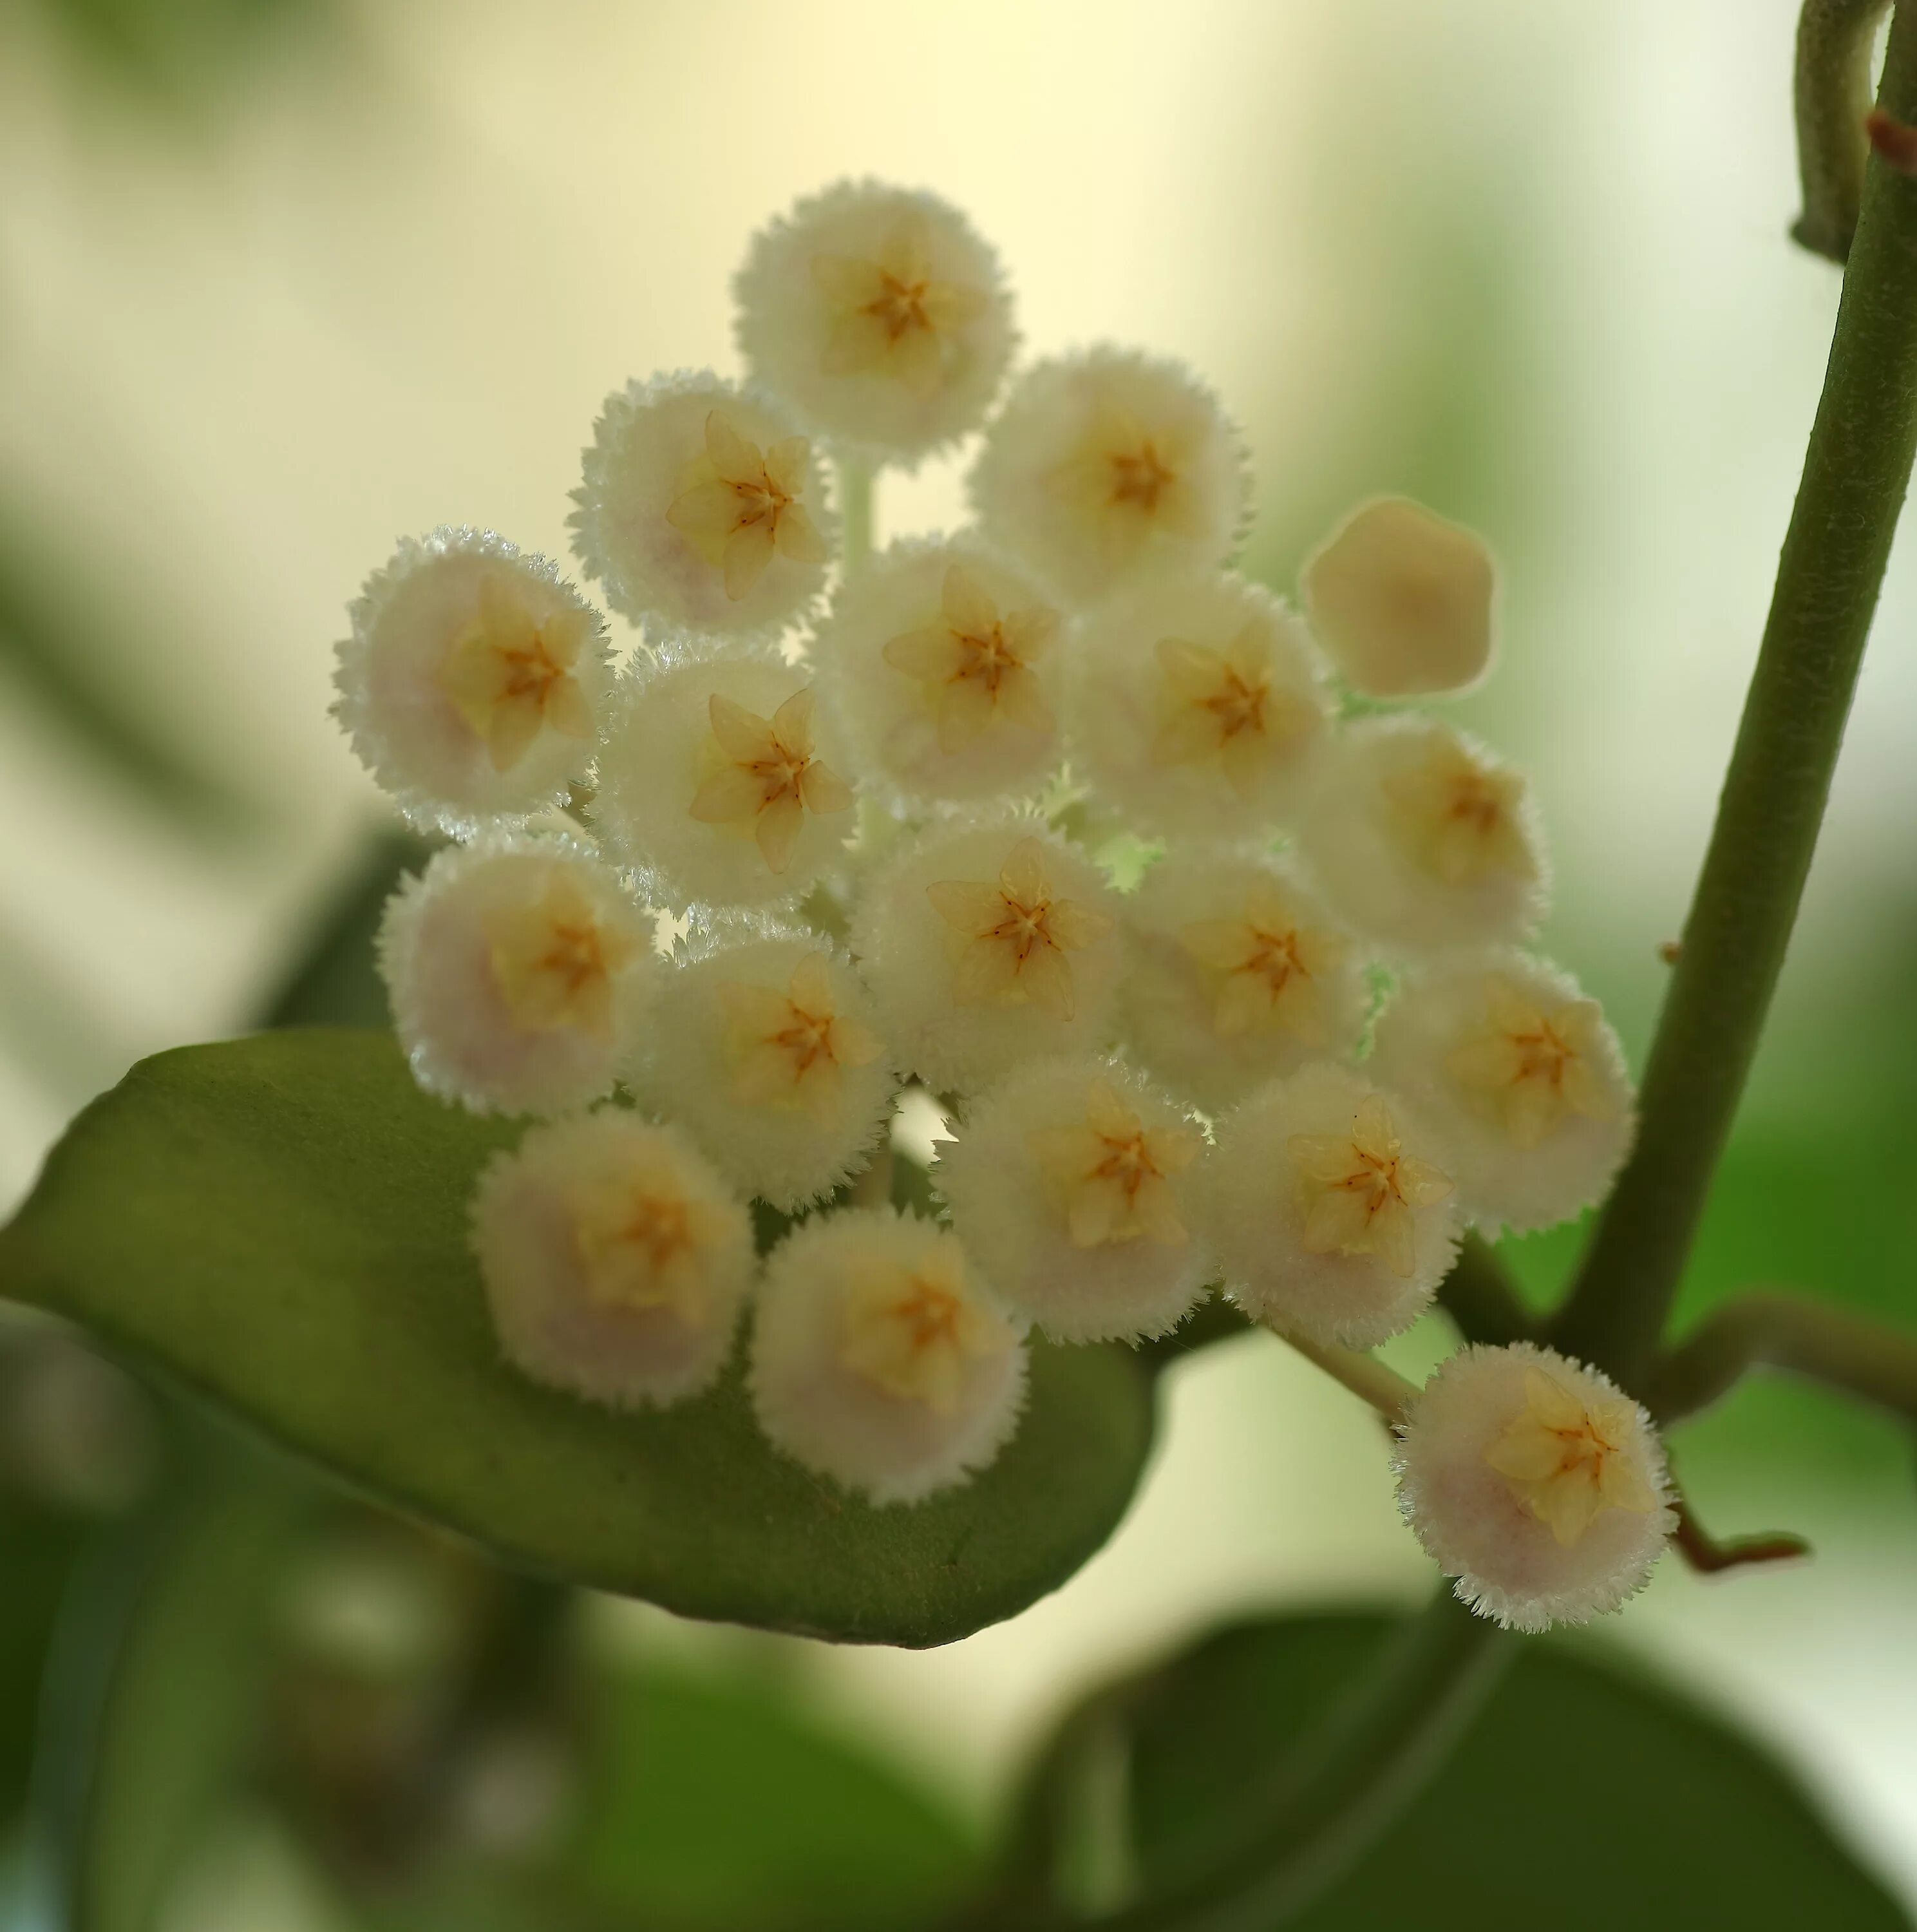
x,y
280,280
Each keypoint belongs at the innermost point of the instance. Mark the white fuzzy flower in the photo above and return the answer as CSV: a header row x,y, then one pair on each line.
x,y
1071,1184
944,665
1522,1074
1235,974
1402,600
716,782
615,1261
520,971
472,683
984,943
1424,839
879,316
1328,1203
763,1043
879,1359
702,510
1536,1483
1106,469
1196,708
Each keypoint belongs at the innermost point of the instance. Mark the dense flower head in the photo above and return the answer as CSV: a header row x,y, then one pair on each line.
x,y
1536,1483
1424,839
615,1259
520,972
719,782
764,1043
473,681
879,1358
1523,1074
1197,710
1105,469
703,510
1235,973
985,941
1330,1203
1403,601
945,666
1071,1181
879,316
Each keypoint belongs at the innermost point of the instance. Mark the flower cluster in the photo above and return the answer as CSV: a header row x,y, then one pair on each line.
x,y
1297,1054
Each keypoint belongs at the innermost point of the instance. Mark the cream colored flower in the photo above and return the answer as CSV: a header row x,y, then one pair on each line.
x,y
1271,971
1568,1456
555,959
1221,705
1402,600
913,1328
1537,1065
1359,1189
1113,1173
736,506
892,316
1018,935
979,662
762,776
791,1048
643,1239
1458,816
510,674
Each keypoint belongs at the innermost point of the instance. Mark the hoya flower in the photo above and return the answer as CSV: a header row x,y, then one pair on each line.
x,y
944,664
615,1261
1423,839
878,1357
764,1044
1235,974
1196,708
702,510
1536,1483
520,972
1071,1182
1108,468
1328,1203
472,682
1402,600
715,783
878,316
984,943
1526,1076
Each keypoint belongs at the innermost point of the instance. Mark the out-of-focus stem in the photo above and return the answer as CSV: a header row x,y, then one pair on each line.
x,y
1832,93
1856,472
1365,1375
1479,1296
855,512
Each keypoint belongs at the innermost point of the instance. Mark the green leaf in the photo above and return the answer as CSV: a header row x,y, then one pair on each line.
x,y
279,1223
1582,1794
715,1807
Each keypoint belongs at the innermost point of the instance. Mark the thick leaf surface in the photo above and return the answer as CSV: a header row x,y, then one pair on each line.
x,y
278,1222
1581,1796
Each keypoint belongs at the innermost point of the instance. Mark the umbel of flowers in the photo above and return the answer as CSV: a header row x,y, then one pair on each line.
x,y
878,795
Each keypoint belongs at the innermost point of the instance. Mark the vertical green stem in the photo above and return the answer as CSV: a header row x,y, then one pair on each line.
x,y
855,479
1832,91
1856,472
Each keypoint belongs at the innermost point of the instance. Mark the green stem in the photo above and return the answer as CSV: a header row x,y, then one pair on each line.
x,y
1811,1339
1832,91
1481,1299
855,479
1856,472
1364,1375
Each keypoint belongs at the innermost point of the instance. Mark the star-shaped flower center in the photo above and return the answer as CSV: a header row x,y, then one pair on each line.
x,y
1568,1460
509,674
736,507
789,1049
1110,1174
1128,480
1535,1067
1017,935
553,961
976,664
642,1242
1222,706
1271,969
915,1332
1360,1189
1458,818
891,316
761,777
